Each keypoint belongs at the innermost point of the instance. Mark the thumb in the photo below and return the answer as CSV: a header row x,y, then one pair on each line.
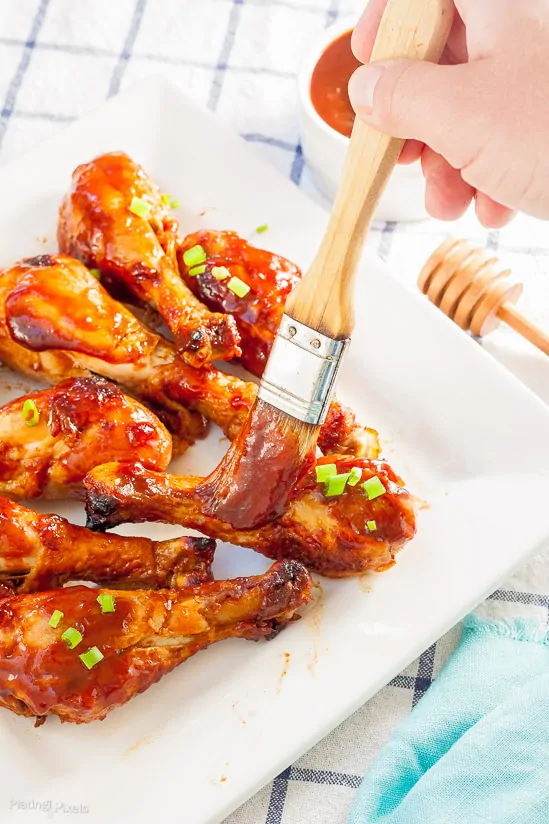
x,y
436,105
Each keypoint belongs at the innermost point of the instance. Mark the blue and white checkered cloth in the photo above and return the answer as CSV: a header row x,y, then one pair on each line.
x,y
60,58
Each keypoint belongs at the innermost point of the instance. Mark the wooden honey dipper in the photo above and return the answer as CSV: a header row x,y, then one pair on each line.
x,y
464,281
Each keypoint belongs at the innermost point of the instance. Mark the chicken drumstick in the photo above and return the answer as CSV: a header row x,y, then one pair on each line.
x,y
335,536
56,320
258,314
49,440
134,247
127,650
45,551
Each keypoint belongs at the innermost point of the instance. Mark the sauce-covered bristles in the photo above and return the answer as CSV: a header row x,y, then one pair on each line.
x,y
253,482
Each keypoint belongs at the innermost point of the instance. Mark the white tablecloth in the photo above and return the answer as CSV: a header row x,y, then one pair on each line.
x,y
61,58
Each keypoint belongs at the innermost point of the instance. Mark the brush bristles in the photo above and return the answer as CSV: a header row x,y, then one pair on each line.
x,y
304,435
255,479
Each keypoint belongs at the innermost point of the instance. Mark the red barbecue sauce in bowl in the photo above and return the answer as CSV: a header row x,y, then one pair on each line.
x,y
329,82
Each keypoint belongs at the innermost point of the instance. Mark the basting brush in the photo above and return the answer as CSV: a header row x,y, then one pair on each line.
x,y
252,483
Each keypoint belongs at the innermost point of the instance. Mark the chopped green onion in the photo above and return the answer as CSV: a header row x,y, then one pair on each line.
x,y
354,476
261,229
170,201
140,207
194,256
55,619
220,272
335,485
372,526
238,287
71,637
197,270
30,413
96,273
325,471
92,657
106,602
373,488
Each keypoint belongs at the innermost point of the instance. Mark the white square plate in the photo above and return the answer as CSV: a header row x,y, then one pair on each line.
x,y
465,436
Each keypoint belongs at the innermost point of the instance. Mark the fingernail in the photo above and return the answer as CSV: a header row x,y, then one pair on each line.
x,y
362,87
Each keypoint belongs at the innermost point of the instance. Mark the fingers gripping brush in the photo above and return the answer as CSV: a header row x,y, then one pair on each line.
x,y
252,483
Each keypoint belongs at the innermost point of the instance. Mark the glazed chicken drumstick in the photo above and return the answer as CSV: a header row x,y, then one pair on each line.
x,y
49,440
258,314
123,652
335,536
115,219
45,551
57,321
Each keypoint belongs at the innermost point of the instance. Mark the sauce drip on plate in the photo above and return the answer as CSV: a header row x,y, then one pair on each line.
x,y
329,83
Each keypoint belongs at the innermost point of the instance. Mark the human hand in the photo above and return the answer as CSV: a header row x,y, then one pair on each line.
x,y
479,121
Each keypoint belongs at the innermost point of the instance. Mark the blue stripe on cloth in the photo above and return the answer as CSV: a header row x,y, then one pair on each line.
x,y
91,51
533,251
424,677
224,55
325,777
386,240
253,137
67,48
131,37
278,798
333,12
17,80
405,682
53,118
528,598
202,64
279,790
298,165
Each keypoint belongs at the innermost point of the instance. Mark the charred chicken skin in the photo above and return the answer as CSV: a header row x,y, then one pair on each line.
x,y
330,535
56,321
45,551
136,252
49,440
147,635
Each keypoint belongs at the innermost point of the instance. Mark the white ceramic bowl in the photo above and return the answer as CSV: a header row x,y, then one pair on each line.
x,y
324,148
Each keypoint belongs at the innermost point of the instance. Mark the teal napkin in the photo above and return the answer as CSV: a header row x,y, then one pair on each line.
x,y
476,748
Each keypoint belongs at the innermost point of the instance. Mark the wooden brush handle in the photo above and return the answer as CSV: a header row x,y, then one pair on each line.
x,y
411,29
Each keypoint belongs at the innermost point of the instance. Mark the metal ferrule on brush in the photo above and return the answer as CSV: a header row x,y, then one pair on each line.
x,y
301,371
